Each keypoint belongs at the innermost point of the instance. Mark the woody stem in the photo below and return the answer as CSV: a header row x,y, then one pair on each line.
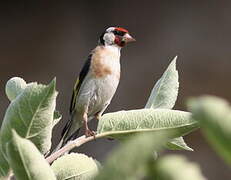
x,y
72,144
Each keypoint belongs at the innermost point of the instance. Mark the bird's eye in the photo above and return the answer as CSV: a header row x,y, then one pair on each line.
x,y
119,33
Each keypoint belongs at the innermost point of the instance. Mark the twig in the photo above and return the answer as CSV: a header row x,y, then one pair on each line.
x,y
72,144
83,139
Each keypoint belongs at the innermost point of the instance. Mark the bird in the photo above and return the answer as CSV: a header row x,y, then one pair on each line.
x,y
96,84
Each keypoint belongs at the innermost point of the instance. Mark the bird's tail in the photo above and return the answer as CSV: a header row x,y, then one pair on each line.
x,y
64,141
59,146
69,132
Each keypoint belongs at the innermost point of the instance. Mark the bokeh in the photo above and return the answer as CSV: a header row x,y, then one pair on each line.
x,y
40,40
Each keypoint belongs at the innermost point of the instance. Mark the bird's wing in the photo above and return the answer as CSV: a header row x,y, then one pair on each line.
x,y
79,81
83,73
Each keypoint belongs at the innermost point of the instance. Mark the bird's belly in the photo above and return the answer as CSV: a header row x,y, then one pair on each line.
x,y
104,91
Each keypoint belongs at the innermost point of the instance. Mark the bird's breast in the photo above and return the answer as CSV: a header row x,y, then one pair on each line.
x,y
105,62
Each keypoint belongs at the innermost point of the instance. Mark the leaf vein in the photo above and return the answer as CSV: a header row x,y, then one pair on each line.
x,y
36,111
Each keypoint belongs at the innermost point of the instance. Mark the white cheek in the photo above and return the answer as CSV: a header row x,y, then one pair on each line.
x,y
109,38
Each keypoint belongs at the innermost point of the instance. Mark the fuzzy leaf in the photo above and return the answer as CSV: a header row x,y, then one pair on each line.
x,y
31,115
164,95
4,167
124,123
214,116
178,144
75,166
14,87
165,91
26,161
176,167
57,117
129,161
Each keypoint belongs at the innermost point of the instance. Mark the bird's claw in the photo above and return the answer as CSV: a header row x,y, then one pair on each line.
x,y
89,133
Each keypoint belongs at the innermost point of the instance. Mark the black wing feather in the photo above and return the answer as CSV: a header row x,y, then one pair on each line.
x,y
78,83
77,86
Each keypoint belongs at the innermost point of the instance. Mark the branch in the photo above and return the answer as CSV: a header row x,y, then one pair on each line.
x,y
72,144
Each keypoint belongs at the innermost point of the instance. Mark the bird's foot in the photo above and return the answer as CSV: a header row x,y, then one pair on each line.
x,y
89,133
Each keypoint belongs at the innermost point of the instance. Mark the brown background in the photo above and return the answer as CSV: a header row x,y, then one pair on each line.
x,y
39,41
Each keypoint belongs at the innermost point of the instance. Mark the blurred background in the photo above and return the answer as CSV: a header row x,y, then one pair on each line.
x,y
42,40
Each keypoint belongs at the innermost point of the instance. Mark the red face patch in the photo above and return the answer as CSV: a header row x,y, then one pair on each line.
x,y
119,42
121,29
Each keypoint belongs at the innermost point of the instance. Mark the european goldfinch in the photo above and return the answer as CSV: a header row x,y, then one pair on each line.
x,y
97,83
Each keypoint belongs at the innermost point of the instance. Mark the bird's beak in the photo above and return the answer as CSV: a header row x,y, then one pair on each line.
x,y
128,38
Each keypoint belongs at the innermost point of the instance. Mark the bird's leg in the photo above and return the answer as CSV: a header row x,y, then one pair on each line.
x,y
88,132
98,116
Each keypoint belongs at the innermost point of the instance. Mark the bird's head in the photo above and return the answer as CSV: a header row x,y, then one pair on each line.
x,y
116,36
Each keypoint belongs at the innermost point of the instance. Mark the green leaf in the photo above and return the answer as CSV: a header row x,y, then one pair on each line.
x,y
165,91
57,117
164,95
26,161
14,87
129,161
31,115
4,167
176,167
178,144
124,123
75,166
214,116
98,164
